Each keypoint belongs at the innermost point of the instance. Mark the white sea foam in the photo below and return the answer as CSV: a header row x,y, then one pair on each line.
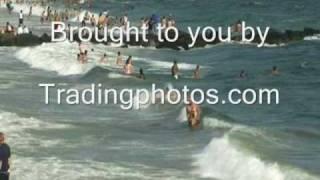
x,y
312,38
58,57
165,64
17,130
222,160
53,168
19,137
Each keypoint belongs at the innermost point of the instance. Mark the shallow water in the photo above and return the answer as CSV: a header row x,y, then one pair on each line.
x,y
239,142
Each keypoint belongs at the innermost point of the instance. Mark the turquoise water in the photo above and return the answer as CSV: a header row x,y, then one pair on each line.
x,y
238,142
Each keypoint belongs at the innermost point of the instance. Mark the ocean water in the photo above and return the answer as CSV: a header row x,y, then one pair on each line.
x,y
237,142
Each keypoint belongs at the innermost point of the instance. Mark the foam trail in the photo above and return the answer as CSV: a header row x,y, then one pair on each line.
x,y
217,123
54,57
113,75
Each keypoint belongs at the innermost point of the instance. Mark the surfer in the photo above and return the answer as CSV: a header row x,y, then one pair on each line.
x,y
128,67
119,59
275,71
175,70
196,73
5,154
193,114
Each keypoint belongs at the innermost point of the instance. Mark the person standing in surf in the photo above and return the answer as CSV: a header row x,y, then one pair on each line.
x,y
5,154
128,67
30,10
119,59
196,73
104,58
175,70
141,74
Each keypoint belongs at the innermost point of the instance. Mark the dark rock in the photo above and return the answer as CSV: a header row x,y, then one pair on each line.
x,y
183,41
10,39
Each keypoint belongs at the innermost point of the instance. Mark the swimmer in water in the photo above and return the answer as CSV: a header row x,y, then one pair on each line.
x,y
196,73
79,58
193,114
42,18
104,58
119,59
275,71
175,70
93,21
82,48
128,67
243,74
141,74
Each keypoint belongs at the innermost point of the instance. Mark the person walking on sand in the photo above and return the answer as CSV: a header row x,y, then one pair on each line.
x,y
21,17
5,154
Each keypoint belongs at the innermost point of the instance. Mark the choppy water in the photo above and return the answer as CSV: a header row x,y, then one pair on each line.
x,y
243,142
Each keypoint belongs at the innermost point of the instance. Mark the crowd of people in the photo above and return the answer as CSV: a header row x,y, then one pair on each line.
x,y
20,29
193,110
